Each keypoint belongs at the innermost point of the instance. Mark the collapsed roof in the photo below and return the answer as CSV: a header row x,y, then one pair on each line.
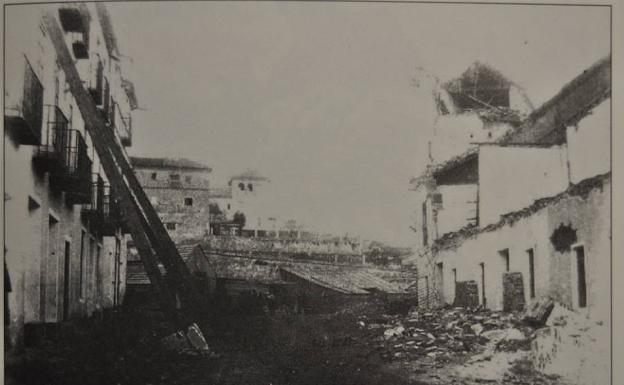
x,y
546,125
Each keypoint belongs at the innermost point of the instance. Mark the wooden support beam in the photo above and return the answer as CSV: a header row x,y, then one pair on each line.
x,y
146,229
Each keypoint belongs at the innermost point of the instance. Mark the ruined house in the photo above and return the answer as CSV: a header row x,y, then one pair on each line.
x,y
65,235
179,192
526,215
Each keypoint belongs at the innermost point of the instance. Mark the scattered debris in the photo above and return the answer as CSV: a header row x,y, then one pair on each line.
x,y
191,343
537,311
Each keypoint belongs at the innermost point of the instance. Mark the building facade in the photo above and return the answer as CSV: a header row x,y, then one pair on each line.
x,y
540,223
179,191
64,235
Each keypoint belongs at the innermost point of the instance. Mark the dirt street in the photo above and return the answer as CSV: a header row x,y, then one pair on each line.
x,y
356,346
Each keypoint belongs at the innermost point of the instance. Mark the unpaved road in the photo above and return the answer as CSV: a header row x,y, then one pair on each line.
x,y
340,349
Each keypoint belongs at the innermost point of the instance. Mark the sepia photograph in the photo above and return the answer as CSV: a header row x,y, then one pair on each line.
x,y
308,193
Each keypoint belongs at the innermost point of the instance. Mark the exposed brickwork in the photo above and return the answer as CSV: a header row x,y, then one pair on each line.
x,y
513,292
466,294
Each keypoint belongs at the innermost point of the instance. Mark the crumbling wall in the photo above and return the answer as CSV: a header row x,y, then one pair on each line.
x,y
585,208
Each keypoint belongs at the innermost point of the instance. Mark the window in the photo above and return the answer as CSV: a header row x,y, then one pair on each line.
x,y
250,187
170,225
154,176
504,254
241,186
228,206
174,176
188,201
187,179
437,199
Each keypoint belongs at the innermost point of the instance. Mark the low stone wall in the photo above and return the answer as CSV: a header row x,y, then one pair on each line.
x,y
466,294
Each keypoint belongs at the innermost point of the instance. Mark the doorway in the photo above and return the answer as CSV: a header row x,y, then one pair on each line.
x,y
483,298
581,282
66,280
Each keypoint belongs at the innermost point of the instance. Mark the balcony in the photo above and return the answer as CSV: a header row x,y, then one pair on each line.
x,y
49,154
96,83
112,219
122,124
93,212
77,169
63,153
23,114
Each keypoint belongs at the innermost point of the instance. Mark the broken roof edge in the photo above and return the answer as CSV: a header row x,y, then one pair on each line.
x,y
601,67
530,121
580,189
435,168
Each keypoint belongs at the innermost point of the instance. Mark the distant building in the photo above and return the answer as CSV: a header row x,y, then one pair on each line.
x,y
246,193
65,235
179,191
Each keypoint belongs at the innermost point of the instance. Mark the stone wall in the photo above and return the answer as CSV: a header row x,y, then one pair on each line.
x,y
513,292
466,294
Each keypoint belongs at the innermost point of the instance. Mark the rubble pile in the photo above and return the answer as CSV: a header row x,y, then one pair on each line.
x,y
439,334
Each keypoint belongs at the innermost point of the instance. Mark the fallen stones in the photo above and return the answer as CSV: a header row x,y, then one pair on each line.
x,y
440,333
190,343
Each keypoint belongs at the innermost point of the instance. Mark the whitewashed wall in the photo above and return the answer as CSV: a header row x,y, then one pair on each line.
x,y
511,178
589,143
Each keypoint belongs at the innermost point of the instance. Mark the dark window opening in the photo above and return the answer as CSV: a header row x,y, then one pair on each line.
x,y
228,206
170,225
505,258
581,282
174,176
187,179
531,273
241,186
250,187
154,176
188,201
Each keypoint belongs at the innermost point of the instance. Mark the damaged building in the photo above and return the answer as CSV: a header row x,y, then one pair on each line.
x,y
527,214
178,189
65,239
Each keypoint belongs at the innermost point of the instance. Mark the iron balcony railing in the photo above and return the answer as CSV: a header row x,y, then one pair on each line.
x,y
96,82
50,154
122,124
77,169
93,211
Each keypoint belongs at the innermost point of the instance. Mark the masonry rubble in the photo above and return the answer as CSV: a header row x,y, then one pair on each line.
x,y
443,332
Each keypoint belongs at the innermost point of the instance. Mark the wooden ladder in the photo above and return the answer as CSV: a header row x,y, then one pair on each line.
x,y
175,292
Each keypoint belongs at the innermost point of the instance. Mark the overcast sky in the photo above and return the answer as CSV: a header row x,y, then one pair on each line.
x,y
320,97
